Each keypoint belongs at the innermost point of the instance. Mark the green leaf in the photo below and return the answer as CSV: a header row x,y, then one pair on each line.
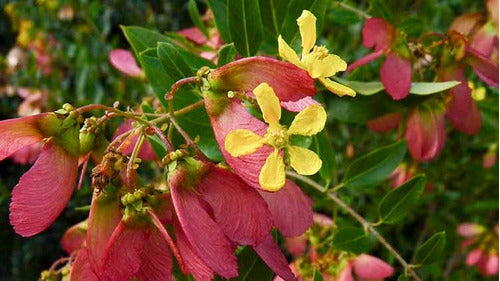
x,y
378,8
351,239
324,149
432,249
402,277
374,167
141,38
251,267
482,205
317,276
417,88
273,13
427,88
362,88
219,9
412,26
289,29
158,146
173,62
399,201
227,54
158,78
245,26
194,14
196,123
360,109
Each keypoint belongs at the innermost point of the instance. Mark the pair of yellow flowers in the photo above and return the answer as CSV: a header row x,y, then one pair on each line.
x,y
310,121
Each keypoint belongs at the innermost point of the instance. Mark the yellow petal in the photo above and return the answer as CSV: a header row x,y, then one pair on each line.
x,y
269,104
304,161
320,64
242,142
309,121
336,88
307,28
272,175
287,53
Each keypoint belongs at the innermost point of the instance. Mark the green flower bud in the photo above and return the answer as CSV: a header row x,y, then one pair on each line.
x,y
86,142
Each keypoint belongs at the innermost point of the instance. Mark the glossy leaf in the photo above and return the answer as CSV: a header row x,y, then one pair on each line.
x,y
324,148
219,9
428,88
227,54
173,62
195,16
158,78
361,109
417,88
245,25
351,239
251,267
196,123
374,167
141,38
363,88
431,250
397,203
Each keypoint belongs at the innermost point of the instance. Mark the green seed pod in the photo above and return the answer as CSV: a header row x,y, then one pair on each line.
x,y
86,142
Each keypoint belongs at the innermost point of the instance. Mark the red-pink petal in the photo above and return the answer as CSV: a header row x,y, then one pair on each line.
x,y
204,235
465,23
43,191
489,264
291,209
492,6
384,123
124,61
18,133
123,254
366,266
378,33
80,269
237,208
234,117
27,154
297,106
196,266
296,245
346,274
366,59
271,254
484,40
485,69
105,214
194,34
156,261
74,238
289,82
322,220
461,110
395,74
474,256
469,229
425,134
146,153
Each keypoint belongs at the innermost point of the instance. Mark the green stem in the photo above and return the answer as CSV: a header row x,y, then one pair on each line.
x,y
366,225
357,11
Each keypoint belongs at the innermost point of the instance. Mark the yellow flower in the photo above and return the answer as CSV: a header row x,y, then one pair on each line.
x,y
315,59
478,93
308,122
